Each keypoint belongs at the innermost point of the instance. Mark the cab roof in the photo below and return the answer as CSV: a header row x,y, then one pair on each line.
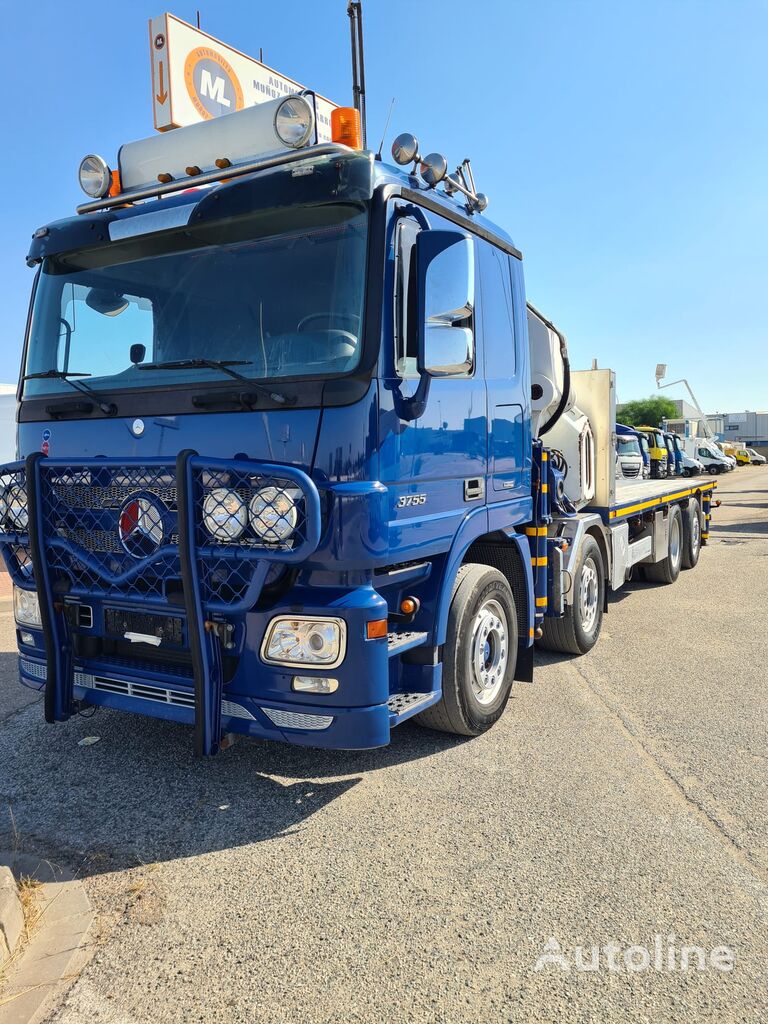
x,y
345,175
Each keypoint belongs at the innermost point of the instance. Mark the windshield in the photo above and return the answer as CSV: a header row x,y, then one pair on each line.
x,y
278,295
628,445
644,444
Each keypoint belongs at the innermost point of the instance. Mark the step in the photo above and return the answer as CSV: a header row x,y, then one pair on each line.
x,y
399,642
403,705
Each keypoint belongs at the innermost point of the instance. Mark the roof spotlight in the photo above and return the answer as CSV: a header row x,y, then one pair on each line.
x,y
405,149
433,168
95,176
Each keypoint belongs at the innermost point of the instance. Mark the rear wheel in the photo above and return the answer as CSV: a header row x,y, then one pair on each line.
x,y
668,569
480,654
579,628
691,534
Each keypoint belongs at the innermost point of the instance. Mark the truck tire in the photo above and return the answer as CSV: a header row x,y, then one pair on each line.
x,y
691,534
668,569
713,470
578,630
479,656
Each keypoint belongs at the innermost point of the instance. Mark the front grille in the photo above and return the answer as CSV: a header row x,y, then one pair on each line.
x,y
630,471
143,691
33,668
169,628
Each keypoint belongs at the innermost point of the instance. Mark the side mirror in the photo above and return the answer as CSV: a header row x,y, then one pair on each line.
x,y
137,353
445,270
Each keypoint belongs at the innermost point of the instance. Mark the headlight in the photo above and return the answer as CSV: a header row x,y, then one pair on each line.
x,y
95,176
13,506
305,642
224,514
294,121
273,514
26,607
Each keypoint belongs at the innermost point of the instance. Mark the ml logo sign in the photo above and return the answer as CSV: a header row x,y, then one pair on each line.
x,y
211,83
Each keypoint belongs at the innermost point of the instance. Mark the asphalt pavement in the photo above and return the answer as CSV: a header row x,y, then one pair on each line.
x,y
620,802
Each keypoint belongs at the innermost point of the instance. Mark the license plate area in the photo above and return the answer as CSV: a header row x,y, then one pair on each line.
x,y
168,629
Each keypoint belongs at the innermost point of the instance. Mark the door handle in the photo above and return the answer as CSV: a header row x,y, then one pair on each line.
x,y
474,489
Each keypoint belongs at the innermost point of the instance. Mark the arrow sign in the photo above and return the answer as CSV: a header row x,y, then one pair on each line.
x,y
162,96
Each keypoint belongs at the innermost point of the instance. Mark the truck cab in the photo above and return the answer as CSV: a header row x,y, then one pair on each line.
x,y
630,464
658,452
742,456
756,458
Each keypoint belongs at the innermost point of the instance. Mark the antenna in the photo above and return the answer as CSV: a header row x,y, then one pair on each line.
x,y
386,125
355,13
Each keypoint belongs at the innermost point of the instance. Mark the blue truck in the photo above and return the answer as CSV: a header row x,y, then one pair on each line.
x,y
296,458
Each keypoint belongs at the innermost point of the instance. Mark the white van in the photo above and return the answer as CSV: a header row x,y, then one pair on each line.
x,y
708,454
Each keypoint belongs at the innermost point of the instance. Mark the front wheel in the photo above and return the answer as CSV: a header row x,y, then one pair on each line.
x,y
480,654
713,470
577,631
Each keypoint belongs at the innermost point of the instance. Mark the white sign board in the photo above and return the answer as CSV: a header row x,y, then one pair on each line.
x,y
196,77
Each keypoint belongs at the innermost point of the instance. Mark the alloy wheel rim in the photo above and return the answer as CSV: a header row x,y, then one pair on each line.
x,y
588,595
674,541
489,651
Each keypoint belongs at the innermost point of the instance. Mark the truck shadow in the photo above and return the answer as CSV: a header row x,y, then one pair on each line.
x,y
139,796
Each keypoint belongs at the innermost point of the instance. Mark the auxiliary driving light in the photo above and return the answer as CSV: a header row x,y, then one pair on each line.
x,y
13,507
405,149
95,176
26,607
433,168
294,121
305,642
273,514
224,514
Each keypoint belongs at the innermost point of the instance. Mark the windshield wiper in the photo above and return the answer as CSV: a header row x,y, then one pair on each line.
x,y
216,364
108,408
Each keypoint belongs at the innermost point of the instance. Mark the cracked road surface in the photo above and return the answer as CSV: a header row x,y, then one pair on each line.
x,y
622,796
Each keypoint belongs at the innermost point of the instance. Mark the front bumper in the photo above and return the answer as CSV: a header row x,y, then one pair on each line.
x,y
70,555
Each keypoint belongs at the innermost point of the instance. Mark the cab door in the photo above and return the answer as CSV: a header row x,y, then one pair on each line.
x,y
434,465
505,347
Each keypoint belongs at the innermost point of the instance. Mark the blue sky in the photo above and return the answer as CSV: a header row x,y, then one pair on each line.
x,y
623,145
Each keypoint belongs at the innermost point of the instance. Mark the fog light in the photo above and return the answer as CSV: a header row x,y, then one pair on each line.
x,y
315,641
26,607
314,684
27,638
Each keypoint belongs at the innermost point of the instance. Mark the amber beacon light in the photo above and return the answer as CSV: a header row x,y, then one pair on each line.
x,y
345,127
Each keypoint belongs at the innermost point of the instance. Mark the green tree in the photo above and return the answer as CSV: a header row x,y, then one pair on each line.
x,y
646,411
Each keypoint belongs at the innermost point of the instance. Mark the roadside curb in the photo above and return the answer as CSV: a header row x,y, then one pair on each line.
x,y
11,915
55,951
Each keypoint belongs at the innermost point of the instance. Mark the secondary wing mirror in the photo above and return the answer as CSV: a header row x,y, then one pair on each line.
x,y
137,353
445,263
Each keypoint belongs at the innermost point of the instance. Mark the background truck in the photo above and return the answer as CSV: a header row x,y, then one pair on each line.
x,y
298,460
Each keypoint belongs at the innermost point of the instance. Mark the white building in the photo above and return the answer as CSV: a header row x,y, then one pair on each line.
x,y
749,427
